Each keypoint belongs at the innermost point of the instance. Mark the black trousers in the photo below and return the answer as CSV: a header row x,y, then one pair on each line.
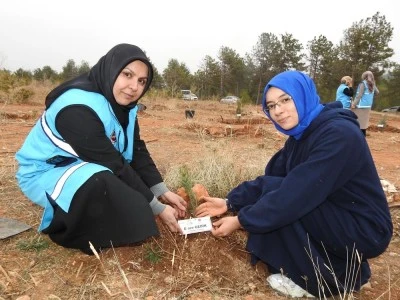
x,y
106,212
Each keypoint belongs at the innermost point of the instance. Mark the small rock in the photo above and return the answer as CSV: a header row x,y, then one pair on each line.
x,y
182,192
169,279
367,286
388,187
199,191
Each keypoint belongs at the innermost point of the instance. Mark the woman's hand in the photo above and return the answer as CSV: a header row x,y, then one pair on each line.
x,y
225,226
176,202
211,207
169,216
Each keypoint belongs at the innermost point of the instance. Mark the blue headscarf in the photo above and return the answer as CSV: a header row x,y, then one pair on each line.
x,y
304,94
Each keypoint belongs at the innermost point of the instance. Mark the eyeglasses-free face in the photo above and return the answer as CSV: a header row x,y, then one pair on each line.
x,y
281,109
130,83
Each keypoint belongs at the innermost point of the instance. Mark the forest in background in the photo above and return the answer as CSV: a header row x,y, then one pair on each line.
x,y
364,46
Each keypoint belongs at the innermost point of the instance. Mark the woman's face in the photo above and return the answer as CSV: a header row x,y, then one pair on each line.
x,y
282,108
130,83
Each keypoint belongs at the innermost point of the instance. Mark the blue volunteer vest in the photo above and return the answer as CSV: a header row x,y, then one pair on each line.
x,y
37,175
342,97
367,98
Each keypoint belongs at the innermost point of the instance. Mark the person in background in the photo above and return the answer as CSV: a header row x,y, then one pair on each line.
x,y
319,212
364,99
345,92
85,163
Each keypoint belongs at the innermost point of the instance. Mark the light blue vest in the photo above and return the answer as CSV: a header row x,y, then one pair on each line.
x,y
342,97
41,181
367,98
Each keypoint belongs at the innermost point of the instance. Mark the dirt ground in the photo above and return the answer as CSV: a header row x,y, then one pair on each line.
x,y
198,266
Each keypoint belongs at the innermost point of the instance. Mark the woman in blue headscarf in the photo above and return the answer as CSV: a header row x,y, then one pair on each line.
x,y
319,212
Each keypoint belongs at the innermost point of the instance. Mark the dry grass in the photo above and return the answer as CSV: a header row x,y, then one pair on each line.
x,y
217,169
199,266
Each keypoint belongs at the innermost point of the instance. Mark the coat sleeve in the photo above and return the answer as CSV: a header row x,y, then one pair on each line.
x,y
326,163
249,192
359,94
143,163
348,91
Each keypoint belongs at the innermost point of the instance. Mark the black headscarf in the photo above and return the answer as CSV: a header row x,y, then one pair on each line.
x,y
102,76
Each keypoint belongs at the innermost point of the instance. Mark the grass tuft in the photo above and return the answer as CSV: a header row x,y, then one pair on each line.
x,y
152,254
36,244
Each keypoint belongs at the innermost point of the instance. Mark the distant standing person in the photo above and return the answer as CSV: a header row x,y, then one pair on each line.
x,y
364,99
85,163
345,92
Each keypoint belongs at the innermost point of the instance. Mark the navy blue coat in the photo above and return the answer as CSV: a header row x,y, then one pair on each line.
x,y
319,202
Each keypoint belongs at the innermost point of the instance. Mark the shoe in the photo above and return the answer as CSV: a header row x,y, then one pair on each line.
x,y
286,286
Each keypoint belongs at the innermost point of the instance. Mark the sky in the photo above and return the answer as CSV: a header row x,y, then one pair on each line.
x,y
36,33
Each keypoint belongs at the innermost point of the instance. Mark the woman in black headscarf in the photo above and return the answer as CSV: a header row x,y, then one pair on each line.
x,y
85,164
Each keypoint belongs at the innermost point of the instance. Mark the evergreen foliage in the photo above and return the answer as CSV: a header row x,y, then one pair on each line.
x,y
364,46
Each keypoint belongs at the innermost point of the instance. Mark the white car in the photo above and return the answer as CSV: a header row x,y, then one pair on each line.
x,y
190,96
392,109
230,99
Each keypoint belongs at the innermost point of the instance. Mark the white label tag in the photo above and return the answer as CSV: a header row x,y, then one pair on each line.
x,y
194,225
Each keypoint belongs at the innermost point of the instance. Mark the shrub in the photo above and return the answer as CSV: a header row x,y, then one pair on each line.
x,y
22,95
187,183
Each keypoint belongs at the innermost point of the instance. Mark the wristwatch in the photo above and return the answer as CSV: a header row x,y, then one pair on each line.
x,y
228,205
